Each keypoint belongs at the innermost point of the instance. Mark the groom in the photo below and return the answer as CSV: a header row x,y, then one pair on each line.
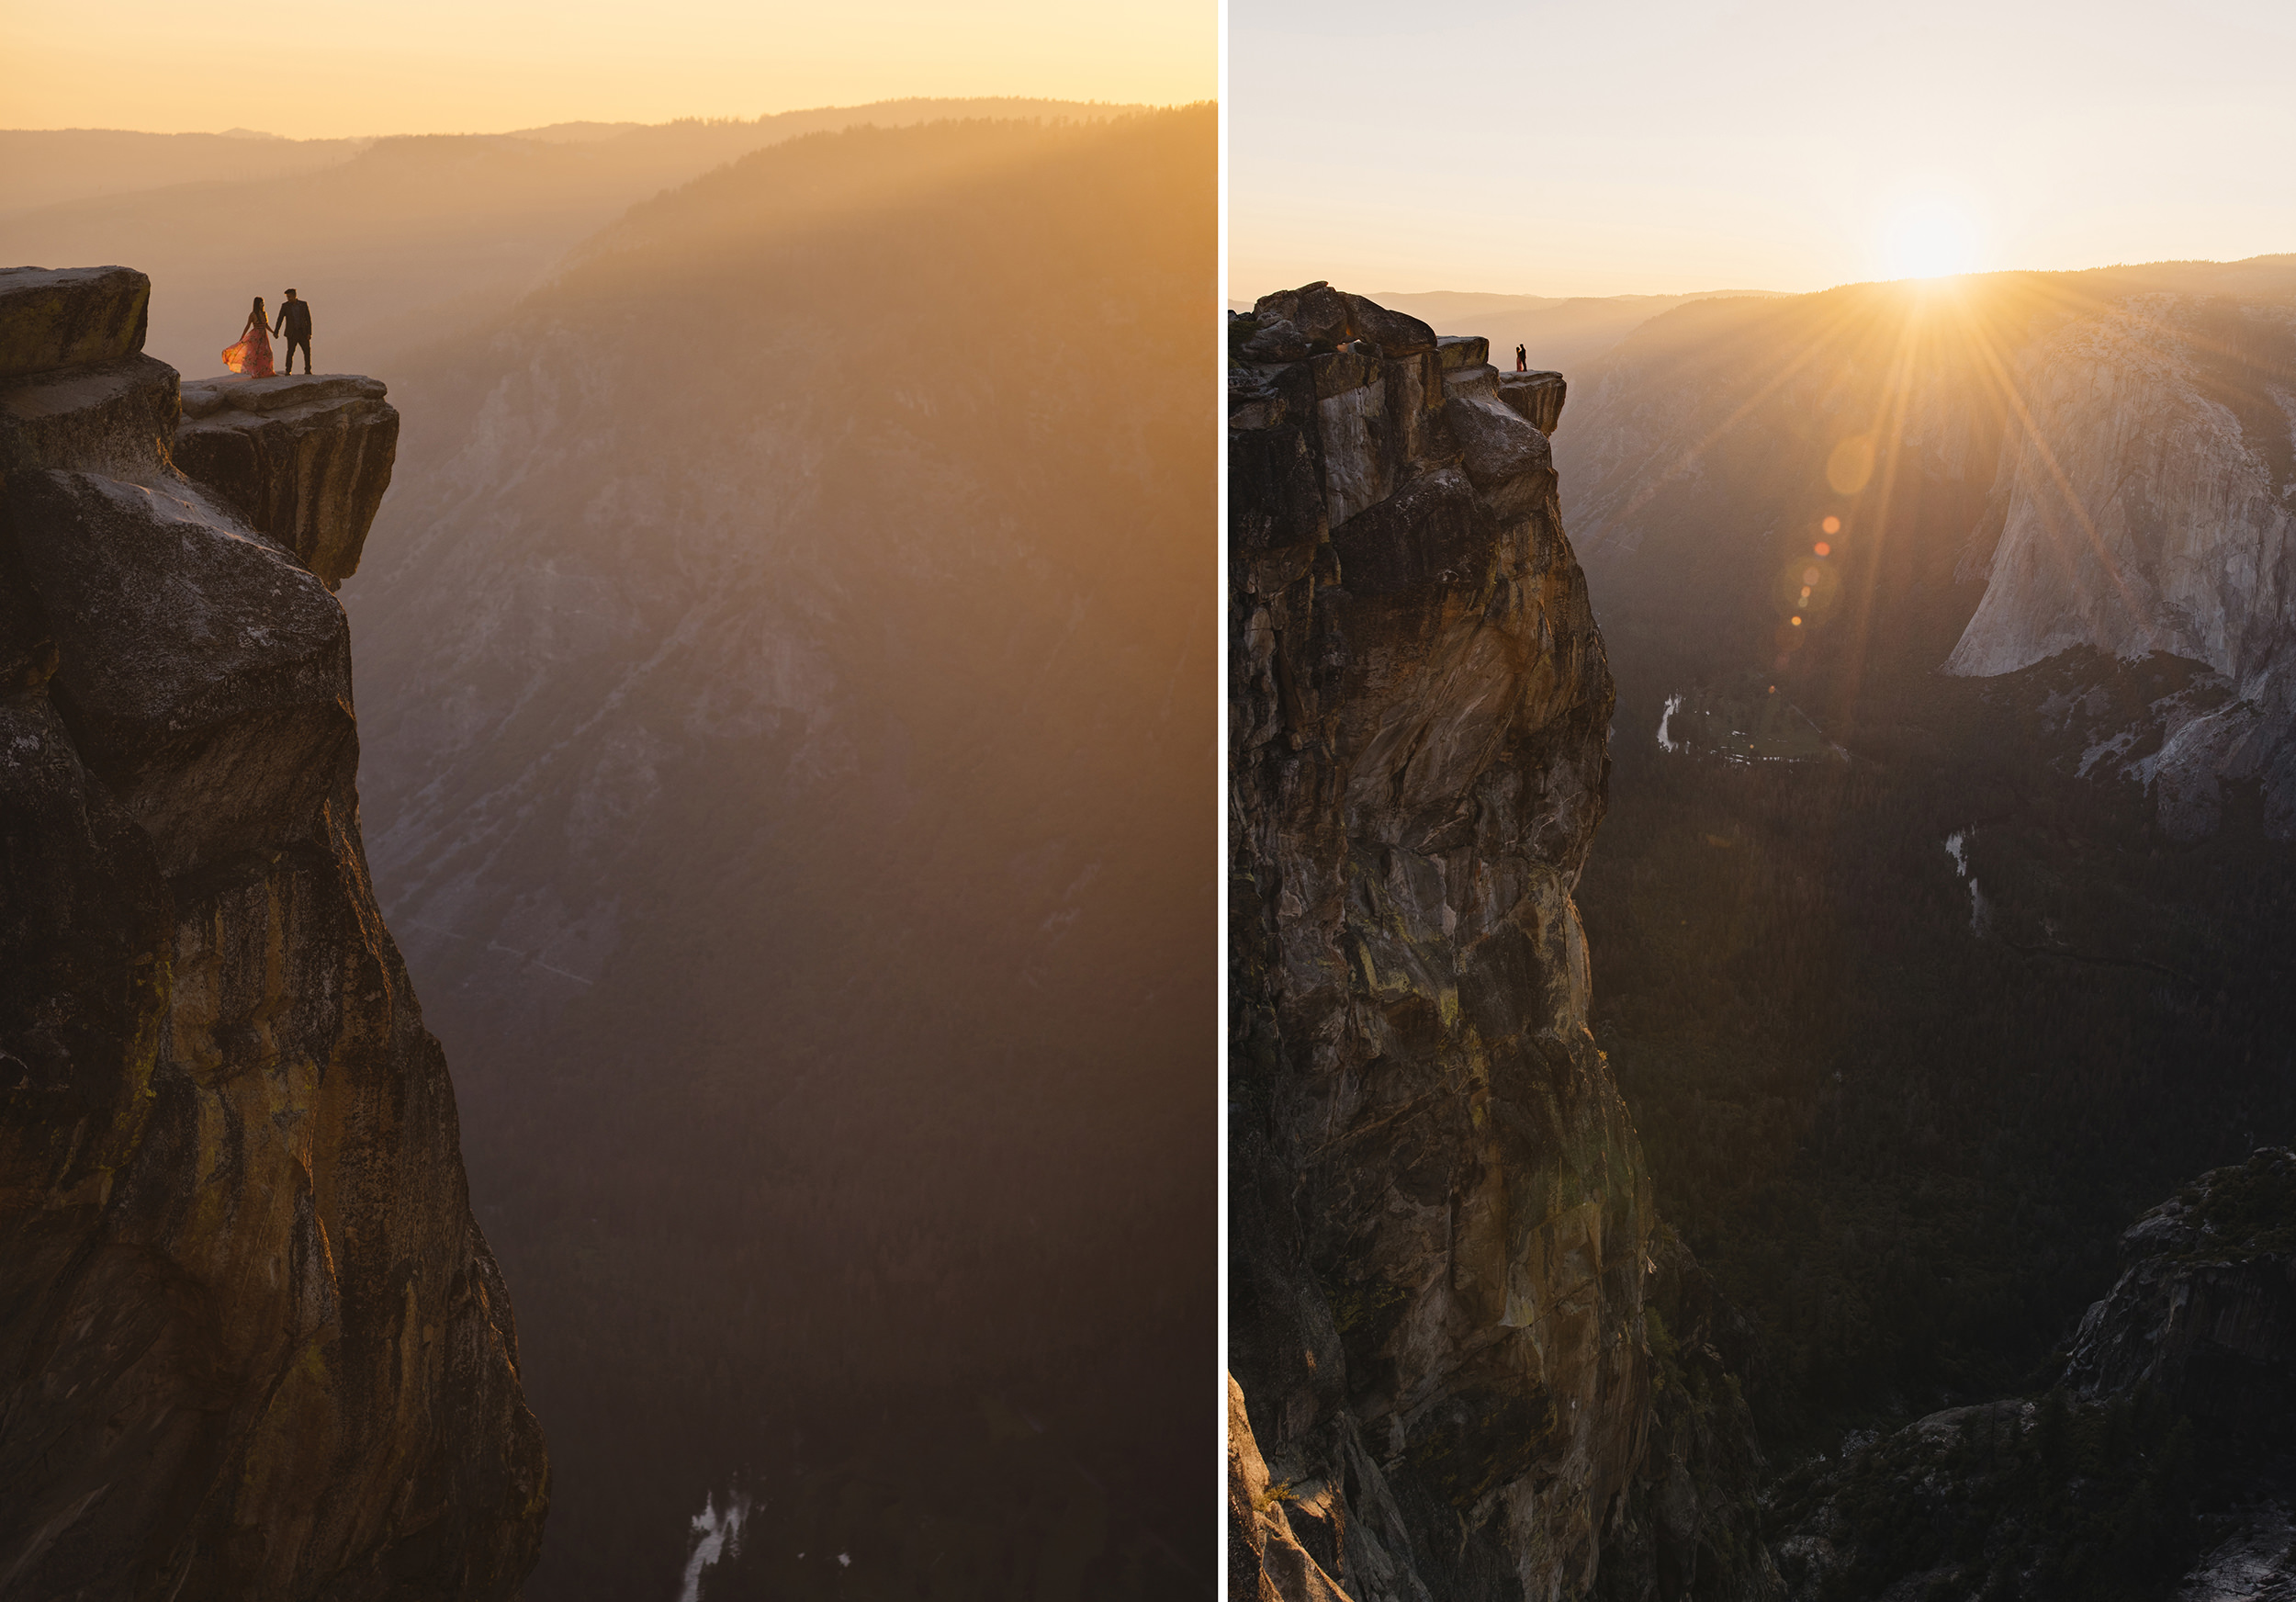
x,y
294,321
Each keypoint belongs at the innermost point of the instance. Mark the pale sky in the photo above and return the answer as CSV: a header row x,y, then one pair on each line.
x,y
1546,148
332,68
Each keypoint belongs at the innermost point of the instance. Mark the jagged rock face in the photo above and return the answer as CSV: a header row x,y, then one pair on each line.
x,y
253,1343
2205,1312
1442,1233
305,461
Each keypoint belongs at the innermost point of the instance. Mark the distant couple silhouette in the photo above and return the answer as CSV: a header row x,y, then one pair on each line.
x,y
1522,357
251,355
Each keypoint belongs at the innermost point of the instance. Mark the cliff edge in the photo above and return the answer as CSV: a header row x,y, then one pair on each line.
x,y
251,1341
1471,1362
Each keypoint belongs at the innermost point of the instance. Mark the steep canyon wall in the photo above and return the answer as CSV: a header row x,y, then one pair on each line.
x,y
251,1341
1450,1295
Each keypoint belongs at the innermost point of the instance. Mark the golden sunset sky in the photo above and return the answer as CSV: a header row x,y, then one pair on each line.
x,y
1555,147
336,68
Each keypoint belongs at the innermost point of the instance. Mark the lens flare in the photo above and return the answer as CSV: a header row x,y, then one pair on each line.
x,y
1831,525
1822,548
1849,465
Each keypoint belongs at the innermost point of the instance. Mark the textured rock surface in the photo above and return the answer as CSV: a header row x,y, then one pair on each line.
x,y
2003,1499
1538,396
2206,1310
69,317
252,1342
304,460
1442,1242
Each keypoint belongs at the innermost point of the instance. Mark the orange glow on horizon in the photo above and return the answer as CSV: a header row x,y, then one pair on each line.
x,y
492,66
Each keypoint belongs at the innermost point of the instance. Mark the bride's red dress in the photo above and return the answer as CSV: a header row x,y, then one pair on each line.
x,y
250,355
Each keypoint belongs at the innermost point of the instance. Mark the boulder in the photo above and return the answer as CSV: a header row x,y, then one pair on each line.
x,y
1463,350
1329,316
2205,1310
205,675
304,460
1508,460
53,318
1395,333
117,418
1536,396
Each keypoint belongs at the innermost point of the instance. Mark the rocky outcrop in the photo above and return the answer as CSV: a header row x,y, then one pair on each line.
x,y
73,317
2158,1465
1442,1239
2205,1310
305,461
252,1343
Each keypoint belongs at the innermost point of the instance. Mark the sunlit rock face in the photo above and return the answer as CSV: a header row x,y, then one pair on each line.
x,y
252,1341
1443,1247
304,460
2150,507
2031,464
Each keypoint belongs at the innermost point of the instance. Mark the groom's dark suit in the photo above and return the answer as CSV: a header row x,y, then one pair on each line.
x,y
294,321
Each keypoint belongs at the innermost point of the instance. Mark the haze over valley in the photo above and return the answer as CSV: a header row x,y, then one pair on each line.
x,y
786,669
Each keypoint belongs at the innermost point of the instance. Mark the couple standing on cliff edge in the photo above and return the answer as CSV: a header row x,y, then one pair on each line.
x,y
252,354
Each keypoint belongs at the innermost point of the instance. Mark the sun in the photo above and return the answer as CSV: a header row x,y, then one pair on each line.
x,y
1930,239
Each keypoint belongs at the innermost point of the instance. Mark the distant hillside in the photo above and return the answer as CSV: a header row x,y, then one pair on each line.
x,y
1562,333
53,167
395,243
786,696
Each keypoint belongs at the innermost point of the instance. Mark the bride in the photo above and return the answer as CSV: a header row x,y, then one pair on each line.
x,y
252,354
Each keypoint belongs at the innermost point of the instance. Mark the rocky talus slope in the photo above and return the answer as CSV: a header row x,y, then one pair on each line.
x,y
2159,1466
251,1342
1472,1363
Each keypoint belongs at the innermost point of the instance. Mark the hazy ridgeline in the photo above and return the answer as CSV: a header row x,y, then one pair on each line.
x,y
393,241
786,674
1902,1111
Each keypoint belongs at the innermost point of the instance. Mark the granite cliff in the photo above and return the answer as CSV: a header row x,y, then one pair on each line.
x,y
1471,1362
251,1341
2021,467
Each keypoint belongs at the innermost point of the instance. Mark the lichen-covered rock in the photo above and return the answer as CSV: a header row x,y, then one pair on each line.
x,y
251,1342
1441,1236
304,460
69,317
2205,1312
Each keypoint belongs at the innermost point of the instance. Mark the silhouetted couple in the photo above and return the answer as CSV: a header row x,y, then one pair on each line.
x,y
1522,357
252,354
